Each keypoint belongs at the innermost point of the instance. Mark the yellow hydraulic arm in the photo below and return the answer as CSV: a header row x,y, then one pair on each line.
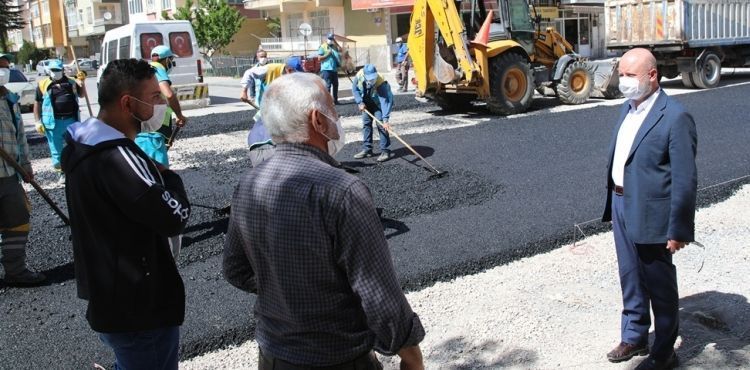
x,y
421,41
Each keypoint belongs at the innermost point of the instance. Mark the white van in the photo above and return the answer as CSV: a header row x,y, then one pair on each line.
x,y
135,40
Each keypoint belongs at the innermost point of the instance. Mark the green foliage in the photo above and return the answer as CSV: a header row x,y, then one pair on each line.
x,y
215,23
28,52
11,18
274,26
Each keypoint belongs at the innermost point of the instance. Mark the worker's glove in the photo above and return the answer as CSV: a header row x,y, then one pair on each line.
x,y
362,107
81,75
40,128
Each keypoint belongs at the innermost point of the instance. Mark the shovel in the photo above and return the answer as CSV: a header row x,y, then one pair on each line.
x,y
436,175
36,186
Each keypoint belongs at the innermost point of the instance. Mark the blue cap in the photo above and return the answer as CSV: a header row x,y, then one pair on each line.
x,y
294,63
330,36
162,51
370,72
55,64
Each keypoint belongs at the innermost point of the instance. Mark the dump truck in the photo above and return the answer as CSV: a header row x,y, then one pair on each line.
x,y
508,58
692,38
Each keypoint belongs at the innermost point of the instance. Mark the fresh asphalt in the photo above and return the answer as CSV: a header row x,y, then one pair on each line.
x,y
515,188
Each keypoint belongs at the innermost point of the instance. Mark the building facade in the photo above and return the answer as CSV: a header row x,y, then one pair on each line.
x,y
88,20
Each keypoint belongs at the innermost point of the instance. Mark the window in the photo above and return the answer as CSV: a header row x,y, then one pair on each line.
x,y
135,6
89,15
102,59
319,21
519,16
294,21
72,18
45,8
17,76
46,31
35,10
167,4
148,42
180,44
235,2
125,48
112,50
80,16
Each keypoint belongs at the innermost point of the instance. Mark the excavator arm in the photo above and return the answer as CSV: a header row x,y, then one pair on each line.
x,y
429,67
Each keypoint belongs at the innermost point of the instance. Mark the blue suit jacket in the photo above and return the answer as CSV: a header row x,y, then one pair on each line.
x,y
660,178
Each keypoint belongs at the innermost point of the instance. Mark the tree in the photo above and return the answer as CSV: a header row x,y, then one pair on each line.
x,y
28,52
274,26
215,23
11,18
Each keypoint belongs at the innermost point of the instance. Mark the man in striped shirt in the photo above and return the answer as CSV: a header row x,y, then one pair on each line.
x,y
14,206
123,209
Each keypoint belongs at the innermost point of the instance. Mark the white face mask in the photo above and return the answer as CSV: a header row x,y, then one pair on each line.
x,y
632,87
4,76
154,123
335,146
262,61
56,75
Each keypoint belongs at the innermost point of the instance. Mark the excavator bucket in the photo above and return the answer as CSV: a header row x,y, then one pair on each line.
x,y
606,79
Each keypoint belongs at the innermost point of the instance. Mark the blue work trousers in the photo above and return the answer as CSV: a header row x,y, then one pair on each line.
x,y
648,280
385,140
55,139
155,349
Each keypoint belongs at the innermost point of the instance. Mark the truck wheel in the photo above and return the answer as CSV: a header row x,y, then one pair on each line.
x,y
511,84
687,80
709,73
576,84
454,102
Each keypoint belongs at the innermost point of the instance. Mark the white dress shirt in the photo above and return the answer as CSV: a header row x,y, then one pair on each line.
x,y
629,128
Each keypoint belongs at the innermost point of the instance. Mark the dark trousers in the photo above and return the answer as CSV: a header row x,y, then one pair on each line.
x,y
647,278
367,361
155,349
332,83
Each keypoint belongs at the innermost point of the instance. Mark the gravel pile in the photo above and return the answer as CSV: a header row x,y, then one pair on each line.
x,y
561,309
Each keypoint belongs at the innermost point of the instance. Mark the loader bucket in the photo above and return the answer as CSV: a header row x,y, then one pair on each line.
x,y
606,79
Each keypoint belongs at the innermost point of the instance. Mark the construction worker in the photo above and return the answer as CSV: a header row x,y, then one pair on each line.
x,y
56,108
330,60
402,61
14,205
154,144
261,145
248,81
372,93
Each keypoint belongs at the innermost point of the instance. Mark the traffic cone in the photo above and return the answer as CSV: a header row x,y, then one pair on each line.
x,y
483,36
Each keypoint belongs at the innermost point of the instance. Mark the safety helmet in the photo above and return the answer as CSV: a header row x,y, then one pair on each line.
x,y
398,39
55,64
162,51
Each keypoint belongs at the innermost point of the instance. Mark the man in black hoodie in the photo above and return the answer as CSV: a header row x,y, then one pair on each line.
x,y
123,208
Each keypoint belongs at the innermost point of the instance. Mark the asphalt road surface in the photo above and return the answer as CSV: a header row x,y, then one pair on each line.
x,y
515,188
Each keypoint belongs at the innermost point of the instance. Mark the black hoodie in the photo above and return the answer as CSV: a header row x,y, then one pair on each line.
x,y
122,210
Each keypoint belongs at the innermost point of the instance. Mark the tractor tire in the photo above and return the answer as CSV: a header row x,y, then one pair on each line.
x,y
454,102
511,84
687,80
576,84
708,74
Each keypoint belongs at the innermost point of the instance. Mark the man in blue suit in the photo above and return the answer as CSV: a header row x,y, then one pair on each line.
x,y
651,191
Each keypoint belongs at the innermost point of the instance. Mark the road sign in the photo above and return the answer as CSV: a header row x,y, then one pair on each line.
x,y
305,29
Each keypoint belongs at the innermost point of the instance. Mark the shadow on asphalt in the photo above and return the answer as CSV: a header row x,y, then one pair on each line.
x,y
458,353
715,320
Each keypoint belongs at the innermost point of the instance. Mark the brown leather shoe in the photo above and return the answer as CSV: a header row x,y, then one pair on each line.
x,y
626,351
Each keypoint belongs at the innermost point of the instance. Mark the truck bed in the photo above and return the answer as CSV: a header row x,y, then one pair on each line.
x,y
676,23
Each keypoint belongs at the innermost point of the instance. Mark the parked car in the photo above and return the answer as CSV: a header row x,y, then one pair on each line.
x,y
87,65
24,87
41,67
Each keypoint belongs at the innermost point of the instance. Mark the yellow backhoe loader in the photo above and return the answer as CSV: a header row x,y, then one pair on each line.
x,y
508,58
